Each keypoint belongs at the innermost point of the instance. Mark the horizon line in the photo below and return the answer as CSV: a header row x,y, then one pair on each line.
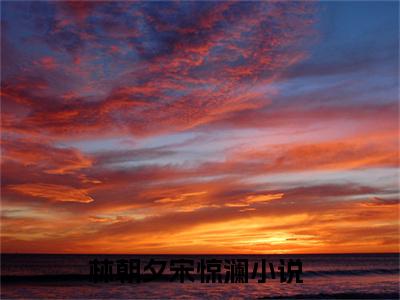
x,y
249,254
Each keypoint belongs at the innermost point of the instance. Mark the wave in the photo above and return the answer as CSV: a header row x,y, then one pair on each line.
x,y
351,272
167,277
339,296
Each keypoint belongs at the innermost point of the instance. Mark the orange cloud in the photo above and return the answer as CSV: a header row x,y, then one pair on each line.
x,y
53,192
230,143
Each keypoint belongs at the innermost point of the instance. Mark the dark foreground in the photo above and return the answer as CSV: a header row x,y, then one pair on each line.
x,y
345,276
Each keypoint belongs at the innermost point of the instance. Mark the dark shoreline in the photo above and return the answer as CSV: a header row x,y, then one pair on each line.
x,y
339,296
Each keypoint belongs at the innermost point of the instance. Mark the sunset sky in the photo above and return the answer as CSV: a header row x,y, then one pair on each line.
x,y
188,127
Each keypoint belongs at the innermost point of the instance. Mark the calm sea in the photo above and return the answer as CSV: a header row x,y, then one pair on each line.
x,y
345,276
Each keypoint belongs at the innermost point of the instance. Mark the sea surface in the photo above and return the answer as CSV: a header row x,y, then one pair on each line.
x,y
335,276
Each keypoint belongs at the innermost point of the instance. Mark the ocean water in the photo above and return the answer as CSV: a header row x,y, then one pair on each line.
x,y
338,276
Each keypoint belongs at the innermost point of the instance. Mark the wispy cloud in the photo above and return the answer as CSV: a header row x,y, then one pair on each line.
x,y
170,127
